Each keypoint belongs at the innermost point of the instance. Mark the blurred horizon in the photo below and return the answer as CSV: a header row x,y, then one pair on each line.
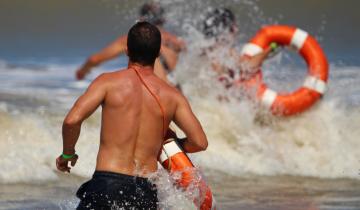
x,y
69,30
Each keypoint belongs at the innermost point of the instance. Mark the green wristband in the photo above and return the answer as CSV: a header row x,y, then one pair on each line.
x,y
64,156
273,46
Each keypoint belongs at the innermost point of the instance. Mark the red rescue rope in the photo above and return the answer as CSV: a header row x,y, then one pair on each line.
x,y
156,97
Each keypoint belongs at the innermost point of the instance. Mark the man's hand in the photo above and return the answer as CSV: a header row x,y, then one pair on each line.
x,y
252,65
63,164
80,74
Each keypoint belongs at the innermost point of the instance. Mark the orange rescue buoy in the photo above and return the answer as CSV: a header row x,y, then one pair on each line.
x,y
173,159
314,86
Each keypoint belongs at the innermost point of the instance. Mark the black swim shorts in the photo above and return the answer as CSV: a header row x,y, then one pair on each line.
x,y
108,190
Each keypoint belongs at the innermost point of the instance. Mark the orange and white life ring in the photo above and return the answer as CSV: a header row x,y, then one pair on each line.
x,y
315,83
173,159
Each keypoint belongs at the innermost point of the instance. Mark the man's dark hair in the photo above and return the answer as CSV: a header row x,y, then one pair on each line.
x,y
143,43
218,21
153,13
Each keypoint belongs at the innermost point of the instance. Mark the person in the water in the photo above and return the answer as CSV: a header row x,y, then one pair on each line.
x,y
137,108
170,47
219,26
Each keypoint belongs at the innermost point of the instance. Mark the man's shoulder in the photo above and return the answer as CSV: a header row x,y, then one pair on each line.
x,y
112,76
120,81
172,92
116,73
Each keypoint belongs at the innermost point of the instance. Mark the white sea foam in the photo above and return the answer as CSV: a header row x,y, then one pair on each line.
x,y
26,149
322,142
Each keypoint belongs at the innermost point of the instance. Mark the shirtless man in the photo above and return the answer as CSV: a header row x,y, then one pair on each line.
x,y
137,106
170,48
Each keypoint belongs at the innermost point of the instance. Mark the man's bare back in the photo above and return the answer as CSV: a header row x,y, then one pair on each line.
x,y
132,122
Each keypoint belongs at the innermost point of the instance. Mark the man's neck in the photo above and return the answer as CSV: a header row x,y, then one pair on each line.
x,y
147,68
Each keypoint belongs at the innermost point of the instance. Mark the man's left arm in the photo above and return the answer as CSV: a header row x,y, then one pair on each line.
x,y
82,109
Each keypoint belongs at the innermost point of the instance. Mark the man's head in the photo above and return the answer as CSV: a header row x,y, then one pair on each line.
x,y
153,13
219,21
143,43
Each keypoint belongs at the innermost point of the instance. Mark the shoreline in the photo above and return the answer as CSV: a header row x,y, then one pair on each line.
x,y
251,192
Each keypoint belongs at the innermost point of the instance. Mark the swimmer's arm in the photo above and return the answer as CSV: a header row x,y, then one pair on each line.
x,y
82,109
177,43
195,140
159,71
111,51
170,56
255,61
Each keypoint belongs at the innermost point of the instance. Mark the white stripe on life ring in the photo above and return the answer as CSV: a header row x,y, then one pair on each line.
x,y
299,39
268,98
171,149
251,49
316,84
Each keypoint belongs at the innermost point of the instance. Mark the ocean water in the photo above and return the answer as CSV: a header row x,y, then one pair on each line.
x,y
254,160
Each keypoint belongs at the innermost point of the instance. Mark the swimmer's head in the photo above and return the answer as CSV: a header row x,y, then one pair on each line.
x,y
218,21
143,43
152,13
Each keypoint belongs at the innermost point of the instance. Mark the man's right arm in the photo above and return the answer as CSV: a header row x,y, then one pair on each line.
x,y
170,57
159,71
170,39
109,52
253,64
195,140
82,109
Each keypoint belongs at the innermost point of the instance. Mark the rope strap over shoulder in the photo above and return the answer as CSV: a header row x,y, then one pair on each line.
x,y
156,97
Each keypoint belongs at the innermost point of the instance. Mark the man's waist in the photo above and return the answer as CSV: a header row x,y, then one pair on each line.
x,y
117,175
133,169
